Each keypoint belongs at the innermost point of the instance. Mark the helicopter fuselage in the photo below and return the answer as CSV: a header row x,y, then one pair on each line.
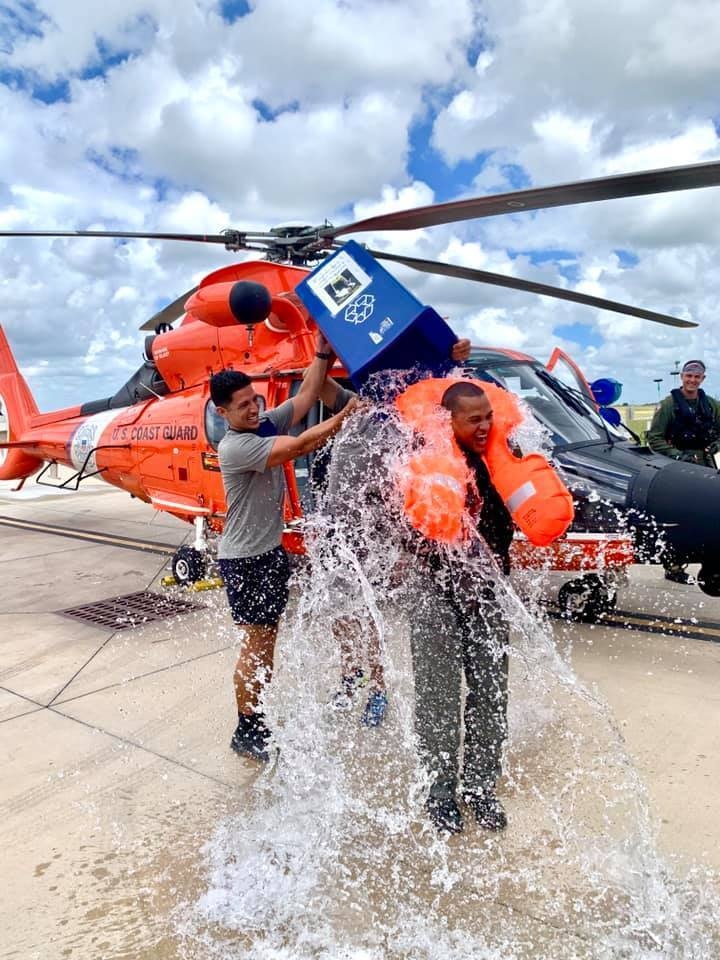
x,y
157,436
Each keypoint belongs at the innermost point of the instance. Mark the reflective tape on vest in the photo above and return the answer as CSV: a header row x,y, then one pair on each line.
x,y
519,497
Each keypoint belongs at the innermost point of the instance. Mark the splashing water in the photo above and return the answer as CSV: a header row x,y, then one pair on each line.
x,y
333,856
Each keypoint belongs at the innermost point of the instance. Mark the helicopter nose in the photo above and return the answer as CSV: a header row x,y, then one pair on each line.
x,y
684,500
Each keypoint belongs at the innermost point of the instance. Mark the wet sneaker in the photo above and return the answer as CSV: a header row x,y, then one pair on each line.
x,y
445,814
375,709
343,699
488,810
251,737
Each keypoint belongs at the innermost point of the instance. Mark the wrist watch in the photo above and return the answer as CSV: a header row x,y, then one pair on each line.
x,y
323,356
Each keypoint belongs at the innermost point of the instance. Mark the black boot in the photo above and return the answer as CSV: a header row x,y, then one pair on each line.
x,y
251,737
488,810
445,814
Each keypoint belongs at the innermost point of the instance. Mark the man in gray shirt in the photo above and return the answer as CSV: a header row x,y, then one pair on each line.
x,y
251,558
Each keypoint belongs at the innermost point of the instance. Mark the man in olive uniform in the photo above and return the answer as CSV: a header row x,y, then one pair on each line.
x,y
686,426
457,627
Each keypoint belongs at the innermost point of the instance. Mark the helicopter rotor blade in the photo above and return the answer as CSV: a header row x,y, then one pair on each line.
x,y
231,239
583,191
529,286
113,234
170,313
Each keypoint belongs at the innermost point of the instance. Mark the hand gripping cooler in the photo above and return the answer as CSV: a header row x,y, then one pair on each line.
x,y
371,320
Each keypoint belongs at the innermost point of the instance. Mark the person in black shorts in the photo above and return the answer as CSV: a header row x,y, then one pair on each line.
x,y
251,559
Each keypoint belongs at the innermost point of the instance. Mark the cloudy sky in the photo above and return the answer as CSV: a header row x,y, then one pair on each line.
x,y
195,115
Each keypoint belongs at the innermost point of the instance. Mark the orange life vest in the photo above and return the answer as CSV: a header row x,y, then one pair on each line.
x,y
435,480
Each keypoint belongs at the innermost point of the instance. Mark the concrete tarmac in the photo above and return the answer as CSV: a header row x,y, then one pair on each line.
x,y
114,743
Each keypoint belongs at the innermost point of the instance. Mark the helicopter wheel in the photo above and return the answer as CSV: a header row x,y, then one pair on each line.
x,y
709,580
585,600
188,565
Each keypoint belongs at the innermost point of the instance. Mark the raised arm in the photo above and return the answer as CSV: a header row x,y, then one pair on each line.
x,y
285,449
329,390
330,393
314,379
460,351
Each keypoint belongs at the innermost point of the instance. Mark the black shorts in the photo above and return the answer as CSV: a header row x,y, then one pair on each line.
x,y
257,587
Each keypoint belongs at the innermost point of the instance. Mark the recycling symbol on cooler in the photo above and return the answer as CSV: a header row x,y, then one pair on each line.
x,y
361,309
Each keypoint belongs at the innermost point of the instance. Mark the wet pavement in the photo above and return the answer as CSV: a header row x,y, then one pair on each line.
x,y
117,773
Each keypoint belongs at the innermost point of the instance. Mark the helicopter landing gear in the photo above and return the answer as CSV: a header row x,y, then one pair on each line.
x,y
586,599
709,580
189,563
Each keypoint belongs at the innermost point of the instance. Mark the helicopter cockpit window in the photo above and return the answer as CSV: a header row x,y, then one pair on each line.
x,y
566,414
216,426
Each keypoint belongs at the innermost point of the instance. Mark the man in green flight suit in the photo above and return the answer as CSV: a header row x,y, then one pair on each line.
x,y
686,426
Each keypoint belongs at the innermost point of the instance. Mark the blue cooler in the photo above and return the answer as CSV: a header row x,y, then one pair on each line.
x,y
371,320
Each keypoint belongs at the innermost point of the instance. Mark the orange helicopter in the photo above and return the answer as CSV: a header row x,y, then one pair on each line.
x,y
157,436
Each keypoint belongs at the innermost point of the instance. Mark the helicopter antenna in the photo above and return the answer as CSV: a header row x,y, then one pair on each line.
x,y
150,390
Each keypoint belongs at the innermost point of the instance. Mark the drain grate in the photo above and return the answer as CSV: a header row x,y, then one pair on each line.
x,y
130,610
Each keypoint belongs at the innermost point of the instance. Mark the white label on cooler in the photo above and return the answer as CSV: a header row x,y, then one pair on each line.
x,y
338,282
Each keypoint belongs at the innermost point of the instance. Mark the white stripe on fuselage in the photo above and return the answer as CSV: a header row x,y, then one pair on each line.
x,y
88,436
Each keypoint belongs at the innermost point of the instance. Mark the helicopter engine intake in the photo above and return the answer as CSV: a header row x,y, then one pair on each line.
x,y
227,303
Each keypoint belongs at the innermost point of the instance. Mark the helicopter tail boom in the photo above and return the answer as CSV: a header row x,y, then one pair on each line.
x,y
17,405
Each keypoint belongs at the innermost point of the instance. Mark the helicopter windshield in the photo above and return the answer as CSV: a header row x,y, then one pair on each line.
x,y
565,412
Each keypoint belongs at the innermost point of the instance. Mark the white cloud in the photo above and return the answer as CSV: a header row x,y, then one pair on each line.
x,y
416,194
175,138
632,69
68,41
494,327
695,144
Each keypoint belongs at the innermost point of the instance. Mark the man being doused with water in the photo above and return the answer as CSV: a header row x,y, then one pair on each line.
x,y
359,465
458,629
456,623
